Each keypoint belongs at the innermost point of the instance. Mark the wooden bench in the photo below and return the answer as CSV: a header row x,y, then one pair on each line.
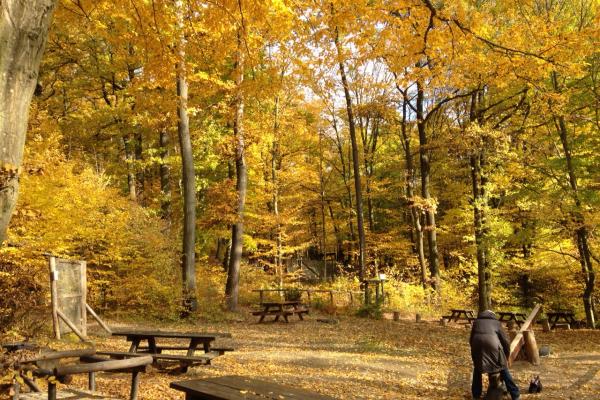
x,y
48,366
185,361
159,349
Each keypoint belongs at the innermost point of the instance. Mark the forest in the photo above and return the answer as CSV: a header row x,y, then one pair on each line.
x,y
193,152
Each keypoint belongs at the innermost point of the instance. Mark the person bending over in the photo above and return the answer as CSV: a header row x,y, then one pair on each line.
x,y
489,351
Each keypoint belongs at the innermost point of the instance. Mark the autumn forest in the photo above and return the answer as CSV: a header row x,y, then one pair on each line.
x,y
194,151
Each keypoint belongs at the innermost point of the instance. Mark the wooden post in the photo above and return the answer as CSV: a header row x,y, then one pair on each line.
x,y
71,325
331,297
351,298
51,391
83,316
97,318
92,381
418,317
518,341
531,349
545,325
396,316
261,296
54,295
135,385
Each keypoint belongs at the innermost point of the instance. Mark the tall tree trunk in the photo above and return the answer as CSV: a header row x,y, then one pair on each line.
x,y
129,157
140,176
275,161
165,176
188,265
355,160
415,211
237,230
430,228
322,198
581,231
23,33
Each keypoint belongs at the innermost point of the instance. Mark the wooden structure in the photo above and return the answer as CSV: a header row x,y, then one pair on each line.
x,y
241,388
507,316
48,365
190,358
525,340
562,318
68,287
310,293
281,309
378,286
457,315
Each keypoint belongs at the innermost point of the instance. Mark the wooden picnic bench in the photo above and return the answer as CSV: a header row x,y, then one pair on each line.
x,y
136,337
460,315
48,366
506,316
557,318
241,388
281,309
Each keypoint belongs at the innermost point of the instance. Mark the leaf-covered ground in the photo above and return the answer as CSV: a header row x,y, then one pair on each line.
x,y
367,359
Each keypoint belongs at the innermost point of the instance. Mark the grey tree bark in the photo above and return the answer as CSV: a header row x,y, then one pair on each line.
x,y
430,228
188,262
355,160
237,229
581,235
23,32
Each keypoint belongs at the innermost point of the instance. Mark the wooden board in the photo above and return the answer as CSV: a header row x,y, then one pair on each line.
x,y
239,387
517,343
69,290
66,394
164,334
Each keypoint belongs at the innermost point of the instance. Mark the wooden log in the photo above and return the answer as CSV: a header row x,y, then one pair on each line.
x,y
97,318
54,295
518,341
55,355
70,325
531,349
111,365
135,385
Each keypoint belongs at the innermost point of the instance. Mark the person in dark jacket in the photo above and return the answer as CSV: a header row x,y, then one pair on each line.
x,y
489,350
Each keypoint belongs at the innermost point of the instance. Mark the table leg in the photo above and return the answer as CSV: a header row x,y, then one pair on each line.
x,y
264,314
193,346
134,345
152,345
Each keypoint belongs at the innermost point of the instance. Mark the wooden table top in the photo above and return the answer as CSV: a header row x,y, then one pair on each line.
x,y
166,334
458,311
239,387
281,303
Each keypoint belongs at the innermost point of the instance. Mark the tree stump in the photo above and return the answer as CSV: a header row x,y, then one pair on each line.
x,y
443,322
396,316
418,317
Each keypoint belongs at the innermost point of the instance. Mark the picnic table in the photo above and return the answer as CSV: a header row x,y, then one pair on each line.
x,y
555,317
194,340
281,309
506,316
239,387
460,315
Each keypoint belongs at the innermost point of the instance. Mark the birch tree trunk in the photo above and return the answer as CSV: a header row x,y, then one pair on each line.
x,y
188,264
23,33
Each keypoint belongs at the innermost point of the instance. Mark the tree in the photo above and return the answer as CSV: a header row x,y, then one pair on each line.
x,y
188,263
23,33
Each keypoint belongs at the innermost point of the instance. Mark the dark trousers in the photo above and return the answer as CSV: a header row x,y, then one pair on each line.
x,y
477,385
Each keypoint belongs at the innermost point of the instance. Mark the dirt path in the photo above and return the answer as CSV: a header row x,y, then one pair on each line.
x,y
365,359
